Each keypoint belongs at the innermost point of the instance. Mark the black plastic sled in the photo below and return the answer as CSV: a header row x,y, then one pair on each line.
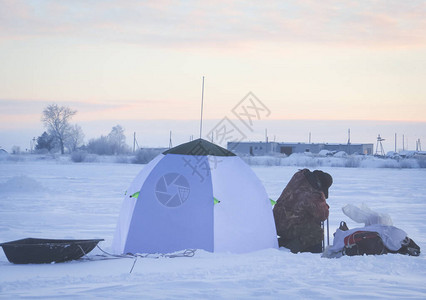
x,y
43,251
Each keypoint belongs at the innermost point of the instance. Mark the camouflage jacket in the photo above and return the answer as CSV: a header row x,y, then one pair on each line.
x,y
300,209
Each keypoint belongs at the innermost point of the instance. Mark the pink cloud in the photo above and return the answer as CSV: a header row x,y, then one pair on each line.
x,y
189,23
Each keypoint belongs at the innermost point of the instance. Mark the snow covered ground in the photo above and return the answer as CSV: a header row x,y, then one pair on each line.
x,y
60,199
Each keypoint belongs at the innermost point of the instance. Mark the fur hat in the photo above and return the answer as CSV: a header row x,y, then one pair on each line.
x,y
325,181
319,180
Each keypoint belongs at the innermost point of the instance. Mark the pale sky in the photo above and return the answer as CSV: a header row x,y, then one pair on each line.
x,y
133,61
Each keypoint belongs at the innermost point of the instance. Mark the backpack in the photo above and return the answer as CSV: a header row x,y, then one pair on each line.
x,y
364,242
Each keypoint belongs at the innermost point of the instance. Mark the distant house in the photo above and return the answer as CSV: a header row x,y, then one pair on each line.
x,y
253,148
270,148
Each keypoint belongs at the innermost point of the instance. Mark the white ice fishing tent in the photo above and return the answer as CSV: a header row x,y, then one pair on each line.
x,y
195,196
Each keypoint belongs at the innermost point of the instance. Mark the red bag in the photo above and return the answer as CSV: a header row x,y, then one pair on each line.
x,y
364,242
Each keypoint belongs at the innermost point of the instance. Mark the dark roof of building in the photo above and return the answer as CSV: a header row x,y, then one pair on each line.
x,y
199,147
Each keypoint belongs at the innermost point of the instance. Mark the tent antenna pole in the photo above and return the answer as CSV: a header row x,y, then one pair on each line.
x,y
395,142
134,141
202,103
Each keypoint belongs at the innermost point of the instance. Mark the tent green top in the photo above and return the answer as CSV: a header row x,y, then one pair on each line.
x,y
199,147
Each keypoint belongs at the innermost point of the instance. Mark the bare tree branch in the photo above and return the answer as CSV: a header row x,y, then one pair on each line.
x,y
56,119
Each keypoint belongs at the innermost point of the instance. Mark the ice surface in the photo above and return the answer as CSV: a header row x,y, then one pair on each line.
x,y
67,200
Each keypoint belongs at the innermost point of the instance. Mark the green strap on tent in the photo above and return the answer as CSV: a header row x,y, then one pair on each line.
x,y
215,200
272,201
135,195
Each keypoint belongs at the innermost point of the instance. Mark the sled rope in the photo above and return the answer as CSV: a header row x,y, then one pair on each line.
x,y
185,253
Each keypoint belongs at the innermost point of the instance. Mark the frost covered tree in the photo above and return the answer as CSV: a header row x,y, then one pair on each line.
x,y
75,139
99,146
112,144
16,150
56,119
45,141
117,140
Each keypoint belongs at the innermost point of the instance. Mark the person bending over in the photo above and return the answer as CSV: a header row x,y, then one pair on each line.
x,y
300,209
